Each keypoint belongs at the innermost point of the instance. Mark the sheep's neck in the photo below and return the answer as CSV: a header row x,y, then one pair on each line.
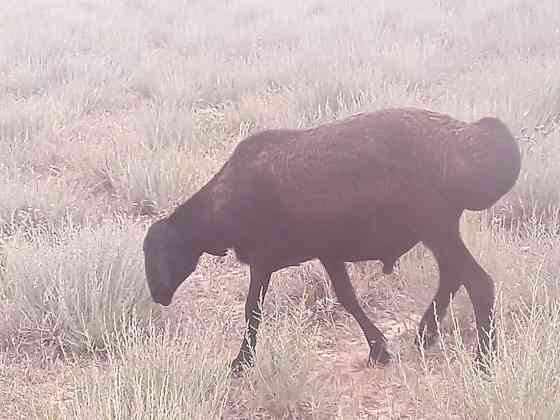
x,y
198,218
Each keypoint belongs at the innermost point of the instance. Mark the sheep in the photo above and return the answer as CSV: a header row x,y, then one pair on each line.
x,y
367,187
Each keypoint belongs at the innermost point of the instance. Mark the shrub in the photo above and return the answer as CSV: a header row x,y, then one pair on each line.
x,y
71,289
170,373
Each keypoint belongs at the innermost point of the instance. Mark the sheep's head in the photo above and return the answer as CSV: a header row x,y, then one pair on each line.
x,y
169,258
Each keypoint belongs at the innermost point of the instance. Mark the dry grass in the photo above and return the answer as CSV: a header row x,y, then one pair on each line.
x,y
170,373
67,290
112,112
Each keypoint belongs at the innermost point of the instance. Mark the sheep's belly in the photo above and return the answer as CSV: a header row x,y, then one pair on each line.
x,y
386,242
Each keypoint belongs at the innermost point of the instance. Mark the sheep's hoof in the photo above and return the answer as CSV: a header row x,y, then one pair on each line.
x,y
379,355
241,363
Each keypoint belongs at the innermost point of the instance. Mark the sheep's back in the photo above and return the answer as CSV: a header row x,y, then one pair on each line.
x,y
380,160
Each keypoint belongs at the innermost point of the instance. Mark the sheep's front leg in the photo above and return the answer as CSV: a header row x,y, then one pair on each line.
x,y
253,311
347,297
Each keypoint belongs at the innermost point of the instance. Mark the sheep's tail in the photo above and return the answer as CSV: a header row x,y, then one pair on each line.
x,y
484,164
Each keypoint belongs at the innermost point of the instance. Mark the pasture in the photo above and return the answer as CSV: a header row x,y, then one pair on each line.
x,y
114,112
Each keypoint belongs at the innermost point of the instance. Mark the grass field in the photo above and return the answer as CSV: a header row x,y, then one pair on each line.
x,y
112,112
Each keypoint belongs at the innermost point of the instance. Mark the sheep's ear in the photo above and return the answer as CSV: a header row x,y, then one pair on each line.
x,y
217,252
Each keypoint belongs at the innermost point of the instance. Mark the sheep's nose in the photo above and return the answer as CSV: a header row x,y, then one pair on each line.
x,y
162,298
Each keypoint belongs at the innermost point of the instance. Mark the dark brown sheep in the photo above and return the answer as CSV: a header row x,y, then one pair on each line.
x,y
369,187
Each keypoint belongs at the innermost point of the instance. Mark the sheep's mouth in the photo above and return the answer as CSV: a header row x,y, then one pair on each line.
x,y
163,299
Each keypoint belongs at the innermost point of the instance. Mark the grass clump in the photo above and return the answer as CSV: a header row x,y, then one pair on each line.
x,y
41,203
68,291
282,383
536,195
169,373
523,382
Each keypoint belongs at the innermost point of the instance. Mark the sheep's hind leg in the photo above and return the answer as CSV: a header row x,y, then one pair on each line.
x,y
454,254
258,286
448,286
347,297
